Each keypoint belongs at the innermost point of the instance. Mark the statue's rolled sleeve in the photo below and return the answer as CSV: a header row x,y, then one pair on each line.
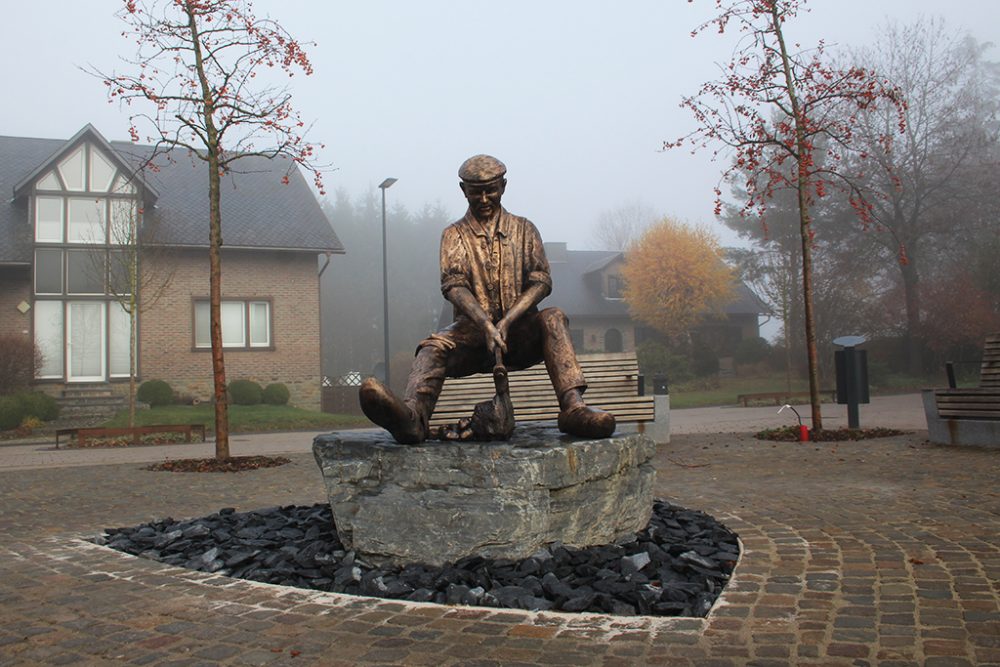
x,y
536,265
540,277
454,262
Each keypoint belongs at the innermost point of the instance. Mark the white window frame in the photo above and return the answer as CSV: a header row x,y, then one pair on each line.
x,y
102,221
246,339
267,324
58,238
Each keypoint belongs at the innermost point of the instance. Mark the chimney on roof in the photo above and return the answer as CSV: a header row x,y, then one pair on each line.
x,y
556,252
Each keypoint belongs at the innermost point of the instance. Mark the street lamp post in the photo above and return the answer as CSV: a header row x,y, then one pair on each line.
x,y
385,185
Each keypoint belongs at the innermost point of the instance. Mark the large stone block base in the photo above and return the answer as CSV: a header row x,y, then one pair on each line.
x,y
439,502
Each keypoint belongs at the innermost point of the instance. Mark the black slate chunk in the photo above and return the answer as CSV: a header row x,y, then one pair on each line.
x,y
676,566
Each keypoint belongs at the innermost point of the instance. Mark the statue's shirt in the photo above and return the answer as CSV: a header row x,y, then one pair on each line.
x,y
496,267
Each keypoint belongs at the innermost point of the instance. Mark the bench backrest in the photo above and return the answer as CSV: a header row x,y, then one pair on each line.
x,y
612,379
989,373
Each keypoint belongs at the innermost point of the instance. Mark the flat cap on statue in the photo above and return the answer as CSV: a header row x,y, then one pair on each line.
x,y
481,169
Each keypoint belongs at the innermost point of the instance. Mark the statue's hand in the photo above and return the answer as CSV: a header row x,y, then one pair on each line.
x,y
495,338
503,326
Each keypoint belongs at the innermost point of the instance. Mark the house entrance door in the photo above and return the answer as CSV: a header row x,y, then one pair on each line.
x,y
85,341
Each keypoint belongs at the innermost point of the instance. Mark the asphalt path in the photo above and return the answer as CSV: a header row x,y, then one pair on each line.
x,y
904,412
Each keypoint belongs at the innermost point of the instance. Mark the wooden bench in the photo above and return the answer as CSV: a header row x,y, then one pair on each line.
x,y
82,435
780,397
971,415
613,380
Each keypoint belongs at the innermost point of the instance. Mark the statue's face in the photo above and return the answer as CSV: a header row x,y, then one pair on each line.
x,y
484,200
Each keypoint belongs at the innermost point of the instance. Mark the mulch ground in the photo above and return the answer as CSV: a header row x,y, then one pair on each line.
x,y
232,464
791,434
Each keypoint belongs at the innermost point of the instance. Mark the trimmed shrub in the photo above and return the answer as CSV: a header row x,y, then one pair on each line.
x,y
276,393
18,359
655,358
38,404
155,393
245,392
11,413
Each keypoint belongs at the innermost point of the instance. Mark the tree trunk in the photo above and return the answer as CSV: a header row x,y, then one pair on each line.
x,y
807,299
788,342
131,353
214,245
911,296
215,308
803,152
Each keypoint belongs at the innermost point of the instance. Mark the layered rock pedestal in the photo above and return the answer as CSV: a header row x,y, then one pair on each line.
x,y
439,502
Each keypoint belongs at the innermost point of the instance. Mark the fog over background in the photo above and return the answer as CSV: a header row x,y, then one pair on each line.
x,y
575,97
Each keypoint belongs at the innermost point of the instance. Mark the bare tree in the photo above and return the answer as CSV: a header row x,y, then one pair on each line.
x,y
139,272
619,228
925,180
800,150
201,66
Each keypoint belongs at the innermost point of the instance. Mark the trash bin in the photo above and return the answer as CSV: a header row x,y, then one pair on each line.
x,y
851,366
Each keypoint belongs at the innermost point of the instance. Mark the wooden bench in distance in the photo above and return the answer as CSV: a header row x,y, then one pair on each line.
x,y
968,416
612,379
84,434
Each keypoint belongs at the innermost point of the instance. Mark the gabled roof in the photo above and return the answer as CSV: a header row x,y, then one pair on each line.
x,y
574,288
88,133
258,210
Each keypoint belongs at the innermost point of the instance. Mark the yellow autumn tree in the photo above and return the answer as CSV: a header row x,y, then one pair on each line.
x,y
674,276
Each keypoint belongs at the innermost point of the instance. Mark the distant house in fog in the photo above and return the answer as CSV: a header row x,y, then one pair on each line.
x,y
56,225
587,285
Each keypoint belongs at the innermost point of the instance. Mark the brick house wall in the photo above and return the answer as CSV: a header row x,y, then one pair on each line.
x,y
289,280
16,287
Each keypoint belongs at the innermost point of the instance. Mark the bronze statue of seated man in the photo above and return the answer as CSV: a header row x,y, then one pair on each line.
x,y
494,272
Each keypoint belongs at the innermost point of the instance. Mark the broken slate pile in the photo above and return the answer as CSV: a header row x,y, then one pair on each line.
x,y
676,566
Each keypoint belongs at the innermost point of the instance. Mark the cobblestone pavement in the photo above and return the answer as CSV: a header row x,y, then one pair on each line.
x,y
884,552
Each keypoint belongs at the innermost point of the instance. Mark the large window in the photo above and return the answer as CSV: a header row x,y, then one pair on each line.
x,y
245,324
79,271
85,214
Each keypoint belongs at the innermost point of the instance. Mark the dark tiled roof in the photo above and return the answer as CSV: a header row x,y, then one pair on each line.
x,y
18,157
576,287
258,211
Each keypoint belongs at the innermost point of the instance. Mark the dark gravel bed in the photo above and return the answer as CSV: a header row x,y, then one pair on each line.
x,y
676,566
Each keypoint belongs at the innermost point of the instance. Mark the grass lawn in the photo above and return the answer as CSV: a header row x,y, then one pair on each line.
x,y
697,395
700,393
242,418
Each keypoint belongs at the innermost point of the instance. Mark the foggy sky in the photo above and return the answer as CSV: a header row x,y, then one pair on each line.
x,y
575,97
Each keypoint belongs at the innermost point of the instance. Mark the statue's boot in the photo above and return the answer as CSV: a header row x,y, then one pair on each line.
x,y
383,407
579,419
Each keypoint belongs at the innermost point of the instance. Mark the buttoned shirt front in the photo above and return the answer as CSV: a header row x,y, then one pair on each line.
x,y
495,265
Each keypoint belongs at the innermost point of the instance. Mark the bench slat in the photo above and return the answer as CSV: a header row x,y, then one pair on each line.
x,y
981,402
612,381
975,414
